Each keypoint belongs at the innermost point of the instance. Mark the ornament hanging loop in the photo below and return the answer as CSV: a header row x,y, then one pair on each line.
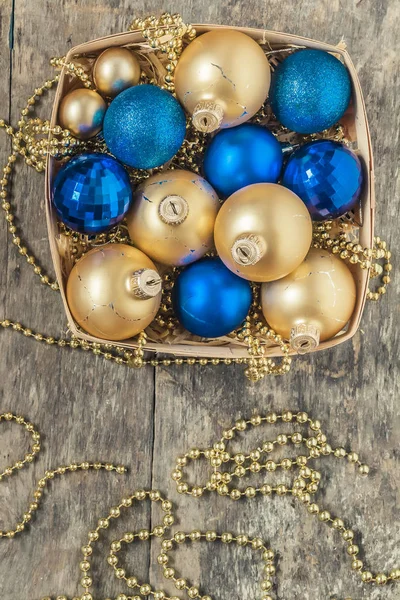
x,y
248,250
207,116
304,338
173,210
146,283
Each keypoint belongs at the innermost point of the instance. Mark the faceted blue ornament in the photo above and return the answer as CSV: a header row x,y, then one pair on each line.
x,y
209,300
310,91
327,176
144,126
241,156
92,193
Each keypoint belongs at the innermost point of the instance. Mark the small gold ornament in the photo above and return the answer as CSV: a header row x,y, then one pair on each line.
x,y
172,217
82,112
114,292
115,70
312,303
222,79
263,232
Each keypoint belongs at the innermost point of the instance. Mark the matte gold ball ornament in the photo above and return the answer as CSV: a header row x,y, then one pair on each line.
x,y
222,79
263,232
115,70
82,112
172,217
311,304
114,292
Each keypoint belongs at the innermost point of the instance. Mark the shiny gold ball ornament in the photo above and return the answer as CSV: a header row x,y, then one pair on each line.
x,y
115,70
82,112
313,303
222,79
114,292
263,232
172,217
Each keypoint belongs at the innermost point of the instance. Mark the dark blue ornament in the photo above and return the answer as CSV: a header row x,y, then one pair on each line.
x,y
327,176
310,91
241,156
209,300
144,126
92,193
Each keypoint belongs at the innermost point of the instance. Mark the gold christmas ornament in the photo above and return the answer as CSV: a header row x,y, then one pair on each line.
x,y
114,292
222,79
82,112
311,304
172,217
115,70
263,232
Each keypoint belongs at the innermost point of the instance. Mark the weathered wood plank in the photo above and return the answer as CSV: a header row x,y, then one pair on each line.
x,y
88,408
85,407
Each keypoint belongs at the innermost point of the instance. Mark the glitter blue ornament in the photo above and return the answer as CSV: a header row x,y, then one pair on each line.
x,y
241,156
327,176
144,126
92,193
310,91
209,300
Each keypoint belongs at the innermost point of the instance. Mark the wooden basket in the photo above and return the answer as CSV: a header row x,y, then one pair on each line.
x,y
357,131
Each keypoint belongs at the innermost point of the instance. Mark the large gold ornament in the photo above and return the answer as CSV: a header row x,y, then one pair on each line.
x,y
312,303
114,292
263,232
82,112
222,79
172,217
115,70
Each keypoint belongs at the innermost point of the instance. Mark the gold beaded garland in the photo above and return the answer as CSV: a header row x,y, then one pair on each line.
x,y
305,484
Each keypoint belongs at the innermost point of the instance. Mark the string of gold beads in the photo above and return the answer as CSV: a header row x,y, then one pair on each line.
x,y
72,69
305,483
355,254
48,475
165,34
243,463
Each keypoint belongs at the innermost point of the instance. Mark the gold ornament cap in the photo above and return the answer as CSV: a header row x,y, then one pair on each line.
x,y
146,283
173,210
207,116
248,250
304,338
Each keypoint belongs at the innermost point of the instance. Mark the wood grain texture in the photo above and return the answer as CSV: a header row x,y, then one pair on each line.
x,y
89,408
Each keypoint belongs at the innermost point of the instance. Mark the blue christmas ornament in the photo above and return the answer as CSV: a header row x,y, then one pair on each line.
x,y
241,156
92,193
209,300
310,91
327,176
144,126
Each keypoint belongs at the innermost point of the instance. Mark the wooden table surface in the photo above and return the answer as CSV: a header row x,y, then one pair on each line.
x,y
88,408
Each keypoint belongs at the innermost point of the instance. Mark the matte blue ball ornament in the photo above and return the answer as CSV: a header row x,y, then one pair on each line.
x,y
327,176
144,126
241,156
209,300
310,91
92,193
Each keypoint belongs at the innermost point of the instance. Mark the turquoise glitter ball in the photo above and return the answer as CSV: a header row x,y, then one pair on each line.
x,y
92,193
144,126
310,91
